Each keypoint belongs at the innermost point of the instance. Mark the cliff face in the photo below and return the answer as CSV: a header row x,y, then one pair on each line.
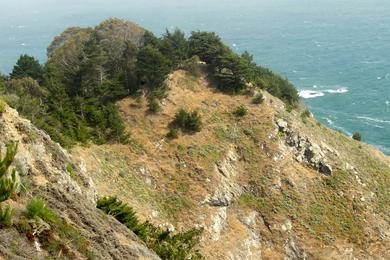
x,y
46,170
271,184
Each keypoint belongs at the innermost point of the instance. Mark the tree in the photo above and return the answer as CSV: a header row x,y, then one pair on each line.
x,y
232,72
207,46
27,66
174,46
152,67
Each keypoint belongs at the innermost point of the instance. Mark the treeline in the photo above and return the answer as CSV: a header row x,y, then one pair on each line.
x,y
73,95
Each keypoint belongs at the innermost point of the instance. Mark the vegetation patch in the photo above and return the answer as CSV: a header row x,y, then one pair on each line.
x,y
240,111
163,242
187,121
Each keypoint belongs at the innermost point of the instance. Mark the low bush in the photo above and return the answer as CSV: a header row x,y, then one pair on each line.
x,y
36,208
154,105
357,136
305,114
240,111
188,121
167,246
6,214
258,99
2,106
172,134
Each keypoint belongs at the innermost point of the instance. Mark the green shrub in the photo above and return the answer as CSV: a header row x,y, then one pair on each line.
x,y
167,246
188,121
2,106
172,134
123,213
305,114
258,99
8,185
6,215
240,111
154,105
36,208
357,136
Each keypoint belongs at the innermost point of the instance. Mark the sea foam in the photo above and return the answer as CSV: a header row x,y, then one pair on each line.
x,y
310,93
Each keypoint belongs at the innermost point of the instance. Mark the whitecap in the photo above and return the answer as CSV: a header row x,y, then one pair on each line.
x,y
329,121
379,78
387,103
21,26
337,91
376,120
314,86
310,94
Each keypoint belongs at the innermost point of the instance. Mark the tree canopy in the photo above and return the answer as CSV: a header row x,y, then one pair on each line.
x,y
73,95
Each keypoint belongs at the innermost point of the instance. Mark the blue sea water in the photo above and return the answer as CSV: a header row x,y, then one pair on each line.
x,y
336,52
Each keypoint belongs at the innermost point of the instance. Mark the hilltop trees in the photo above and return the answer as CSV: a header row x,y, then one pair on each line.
x,y
73,95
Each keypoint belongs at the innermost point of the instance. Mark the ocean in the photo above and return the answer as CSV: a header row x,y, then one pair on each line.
x,y
337,53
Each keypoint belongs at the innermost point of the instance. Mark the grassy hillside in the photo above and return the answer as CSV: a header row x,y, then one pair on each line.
x,y
241,179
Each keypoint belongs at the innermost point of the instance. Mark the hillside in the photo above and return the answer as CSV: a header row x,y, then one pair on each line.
x,y
272,184
177,148
75,228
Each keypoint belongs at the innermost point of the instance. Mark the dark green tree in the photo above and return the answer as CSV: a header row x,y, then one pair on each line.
x,y
27,66
174,46
207,46
152,67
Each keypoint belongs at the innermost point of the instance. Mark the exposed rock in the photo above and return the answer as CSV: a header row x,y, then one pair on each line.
x,y
292,249
305,151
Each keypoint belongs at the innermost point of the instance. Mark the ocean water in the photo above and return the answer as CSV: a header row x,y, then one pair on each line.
x,y
336,52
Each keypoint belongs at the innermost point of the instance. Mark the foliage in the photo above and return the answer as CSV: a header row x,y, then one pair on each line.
x,y
166,245
188,121
152,67
240,111
154,105
305,114
27,66
2,106
357,136
37,208
8,185
258,99
172,134
6,214
72,97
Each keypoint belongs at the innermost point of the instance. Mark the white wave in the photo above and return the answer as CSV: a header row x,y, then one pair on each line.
x,y
310,93
376,120
379,78
330,122
337,91
21,26
387,102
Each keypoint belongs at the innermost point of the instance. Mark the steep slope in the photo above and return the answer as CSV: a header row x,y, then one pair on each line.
x,y
81,231
271,184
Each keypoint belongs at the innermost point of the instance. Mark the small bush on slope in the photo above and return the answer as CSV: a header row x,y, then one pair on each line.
x,y
188,121
8,184
6,214
36,208
167,246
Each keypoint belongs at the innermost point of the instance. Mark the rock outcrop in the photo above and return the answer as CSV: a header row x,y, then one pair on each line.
x,y
304,150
